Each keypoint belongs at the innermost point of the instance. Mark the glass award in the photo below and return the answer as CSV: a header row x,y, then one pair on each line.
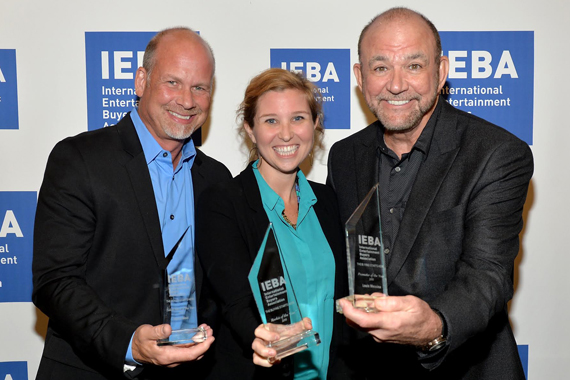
x,y
365,253
276,301
179,306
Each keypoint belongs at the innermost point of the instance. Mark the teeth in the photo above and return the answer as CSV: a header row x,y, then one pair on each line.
x,y
398,102
187,117
286,150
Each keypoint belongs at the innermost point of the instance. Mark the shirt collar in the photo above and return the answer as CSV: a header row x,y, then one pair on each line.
x,y
270,198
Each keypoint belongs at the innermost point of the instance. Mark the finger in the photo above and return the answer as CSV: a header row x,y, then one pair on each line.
x,y
160,332
260,348
260,361
308,323
264,332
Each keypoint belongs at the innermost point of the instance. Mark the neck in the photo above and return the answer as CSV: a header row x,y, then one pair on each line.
x,y
282,183
402,142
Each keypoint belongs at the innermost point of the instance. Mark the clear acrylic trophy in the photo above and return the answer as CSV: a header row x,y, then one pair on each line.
x,y
275,298
365,253
179,306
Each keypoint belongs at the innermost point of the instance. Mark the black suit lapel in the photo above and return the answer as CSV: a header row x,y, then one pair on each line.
x,y
366,162
255,204
142,187
443,150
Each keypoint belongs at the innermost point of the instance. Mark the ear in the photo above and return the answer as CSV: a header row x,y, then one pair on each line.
x,y
249,131
357,69
140,81
443,71
317,121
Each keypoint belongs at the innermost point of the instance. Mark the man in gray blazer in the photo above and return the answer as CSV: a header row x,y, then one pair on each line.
x,y
452,191
109,210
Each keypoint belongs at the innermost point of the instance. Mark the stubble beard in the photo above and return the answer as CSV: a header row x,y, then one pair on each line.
x,y
407,122
180,133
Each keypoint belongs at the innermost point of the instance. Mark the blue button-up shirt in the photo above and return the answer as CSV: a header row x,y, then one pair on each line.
x,y
174,195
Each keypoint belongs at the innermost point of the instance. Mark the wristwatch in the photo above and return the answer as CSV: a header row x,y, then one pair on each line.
x,y
435,344
439,341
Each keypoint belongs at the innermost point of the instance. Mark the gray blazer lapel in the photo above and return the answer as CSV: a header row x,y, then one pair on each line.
x,y
443,150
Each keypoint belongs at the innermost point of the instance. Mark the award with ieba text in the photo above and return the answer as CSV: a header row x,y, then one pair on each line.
x,y
365,253
275,298
179,306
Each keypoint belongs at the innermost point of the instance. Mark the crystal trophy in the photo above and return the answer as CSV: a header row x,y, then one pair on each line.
x,y
275,298
365,253
179,306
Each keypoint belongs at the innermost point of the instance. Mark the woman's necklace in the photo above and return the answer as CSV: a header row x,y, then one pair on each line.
x,y
294,225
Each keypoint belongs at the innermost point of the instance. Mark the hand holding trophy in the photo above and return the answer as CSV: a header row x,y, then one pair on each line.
x,y
276,301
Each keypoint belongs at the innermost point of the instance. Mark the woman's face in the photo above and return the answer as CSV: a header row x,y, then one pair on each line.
x,y
283,131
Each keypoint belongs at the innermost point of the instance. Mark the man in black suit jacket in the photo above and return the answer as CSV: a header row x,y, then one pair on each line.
x,y
453,187
98,247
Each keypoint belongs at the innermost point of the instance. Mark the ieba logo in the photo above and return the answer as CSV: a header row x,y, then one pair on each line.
x,y
491,74
8,90
17,212
329,69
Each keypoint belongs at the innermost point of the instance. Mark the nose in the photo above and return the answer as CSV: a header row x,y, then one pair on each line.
x,y
397,83
186,98
286,131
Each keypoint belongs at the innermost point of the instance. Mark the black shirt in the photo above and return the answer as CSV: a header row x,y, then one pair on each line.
x,y
396,177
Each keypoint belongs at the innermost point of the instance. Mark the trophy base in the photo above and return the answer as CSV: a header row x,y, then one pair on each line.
x,y
186,336
293,344
362,302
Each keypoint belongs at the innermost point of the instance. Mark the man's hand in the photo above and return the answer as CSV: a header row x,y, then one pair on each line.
x,y
146,350
266,333
402,320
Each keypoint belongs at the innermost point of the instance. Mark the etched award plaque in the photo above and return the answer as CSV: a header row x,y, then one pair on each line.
x,y
275,298
365,253
179,305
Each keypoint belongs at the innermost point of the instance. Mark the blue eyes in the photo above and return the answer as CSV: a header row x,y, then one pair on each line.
x,y
274,121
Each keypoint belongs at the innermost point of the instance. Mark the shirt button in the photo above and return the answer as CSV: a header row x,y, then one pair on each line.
x,y
164,154
392,210
386,250
397,169
171,217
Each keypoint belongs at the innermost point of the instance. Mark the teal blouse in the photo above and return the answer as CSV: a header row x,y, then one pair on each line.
x,y
310,263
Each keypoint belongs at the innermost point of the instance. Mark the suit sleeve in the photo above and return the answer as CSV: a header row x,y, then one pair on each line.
x,y
226,257
492,220
63,235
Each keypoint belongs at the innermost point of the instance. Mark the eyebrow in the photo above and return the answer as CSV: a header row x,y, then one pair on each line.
x,y
410,57
293,113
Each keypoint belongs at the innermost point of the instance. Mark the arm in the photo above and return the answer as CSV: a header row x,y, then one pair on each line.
x,y
63,236
483,280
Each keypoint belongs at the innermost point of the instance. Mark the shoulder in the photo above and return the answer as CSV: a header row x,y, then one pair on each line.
x,y
100,142
481,137
476,128
214,168
365,136
323,192
230,189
